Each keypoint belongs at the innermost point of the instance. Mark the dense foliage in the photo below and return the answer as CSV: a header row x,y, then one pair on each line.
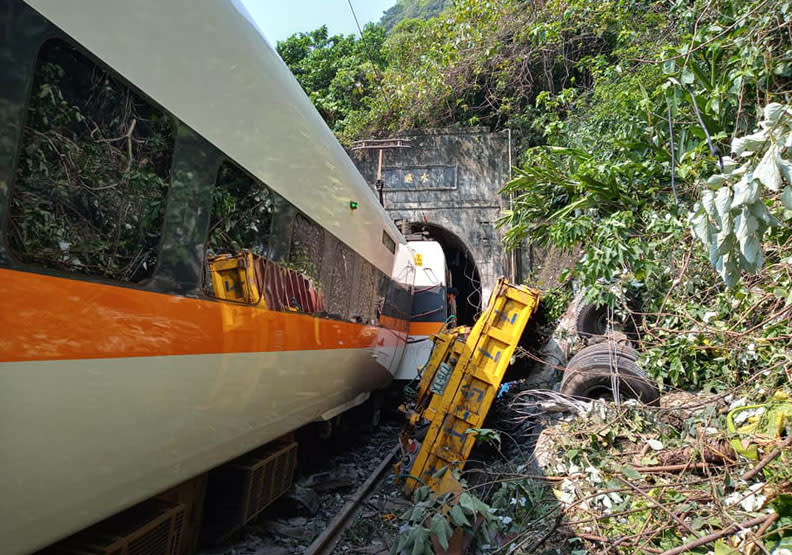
x,y
628,115
412,9
633,153
654,137
338,72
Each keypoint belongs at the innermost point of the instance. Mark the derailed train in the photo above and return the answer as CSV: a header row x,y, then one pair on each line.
x,y
140,141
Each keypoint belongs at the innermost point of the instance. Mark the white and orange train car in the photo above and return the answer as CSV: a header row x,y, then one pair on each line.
x,y
142,141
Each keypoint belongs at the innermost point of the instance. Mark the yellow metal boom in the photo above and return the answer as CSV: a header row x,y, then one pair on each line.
x,y
458,385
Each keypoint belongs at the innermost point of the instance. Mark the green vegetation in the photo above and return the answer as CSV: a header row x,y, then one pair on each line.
x,y
654,136
339,73
625,115
412,9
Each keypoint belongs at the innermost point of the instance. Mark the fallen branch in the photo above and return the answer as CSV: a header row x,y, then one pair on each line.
x,y
767,459
728,531
601,539
672,467
761,532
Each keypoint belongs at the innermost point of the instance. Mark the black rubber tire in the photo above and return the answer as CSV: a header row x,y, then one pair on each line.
x,y
591,320
588,374
606,348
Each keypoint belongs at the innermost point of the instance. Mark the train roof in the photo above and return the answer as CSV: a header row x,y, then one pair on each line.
x,y
210,66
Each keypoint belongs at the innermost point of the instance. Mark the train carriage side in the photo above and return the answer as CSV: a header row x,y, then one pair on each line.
x,y
183,275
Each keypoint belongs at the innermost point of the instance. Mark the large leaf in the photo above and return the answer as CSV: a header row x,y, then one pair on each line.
x,y
729,271
749,143
441,530
746,191
786,198
467,502
746,226
458,517
772,112
767,171
708,203
784,166
699,224
723,202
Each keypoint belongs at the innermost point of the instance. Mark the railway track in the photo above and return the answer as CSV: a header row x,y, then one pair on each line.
x,y
327,540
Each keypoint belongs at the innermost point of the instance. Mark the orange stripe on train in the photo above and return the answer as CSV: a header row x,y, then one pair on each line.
x,y
49,318
425,328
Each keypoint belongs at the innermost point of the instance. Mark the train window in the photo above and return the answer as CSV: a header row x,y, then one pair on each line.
x,y
241,214
93,174
388,241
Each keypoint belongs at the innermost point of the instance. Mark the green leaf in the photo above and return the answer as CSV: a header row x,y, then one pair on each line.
x,y
786,197
708,203
630,472
723,203
467,502
746,191
784,165
441,530
721,548
418,513
749,143
422,494
687,77
715,181
767,171
458,517
404,542
783,505
421,541
699,224
772,112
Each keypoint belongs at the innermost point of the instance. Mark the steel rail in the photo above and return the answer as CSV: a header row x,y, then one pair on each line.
x,y
327,540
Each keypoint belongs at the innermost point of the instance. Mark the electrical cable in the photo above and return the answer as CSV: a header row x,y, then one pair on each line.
x,y
354,16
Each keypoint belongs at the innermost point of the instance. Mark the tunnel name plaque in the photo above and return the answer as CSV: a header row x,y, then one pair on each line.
x,y
420,178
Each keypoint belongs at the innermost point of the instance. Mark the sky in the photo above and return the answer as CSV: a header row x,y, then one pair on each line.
x,y
280,19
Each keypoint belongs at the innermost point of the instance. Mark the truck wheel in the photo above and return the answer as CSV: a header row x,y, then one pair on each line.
x,y
605,348
590,373
592,320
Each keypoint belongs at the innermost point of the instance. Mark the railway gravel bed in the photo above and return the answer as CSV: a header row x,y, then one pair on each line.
x,y
326,481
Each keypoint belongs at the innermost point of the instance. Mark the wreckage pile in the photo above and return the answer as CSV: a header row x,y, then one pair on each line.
x,y
687,472
697,473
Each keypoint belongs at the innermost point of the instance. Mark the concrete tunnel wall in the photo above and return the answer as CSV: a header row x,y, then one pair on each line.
x,y
449,178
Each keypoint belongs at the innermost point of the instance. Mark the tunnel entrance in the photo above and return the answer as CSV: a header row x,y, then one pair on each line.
x,y
463,273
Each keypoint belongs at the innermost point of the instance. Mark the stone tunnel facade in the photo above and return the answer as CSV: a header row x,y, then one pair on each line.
x,y
449,180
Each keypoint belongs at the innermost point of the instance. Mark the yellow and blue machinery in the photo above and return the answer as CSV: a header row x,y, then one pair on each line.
x,y
457,387
234,277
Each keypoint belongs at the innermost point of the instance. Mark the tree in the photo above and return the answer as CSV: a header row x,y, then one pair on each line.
x,y
337,72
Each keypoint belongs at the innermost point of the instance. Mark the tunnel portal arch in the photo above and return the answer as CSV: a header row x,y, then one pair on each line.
x,y
463,272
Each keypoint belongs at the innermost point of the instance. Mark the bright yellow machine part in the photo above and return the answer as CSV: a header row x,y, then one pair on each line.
x,y
458,385
234,277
